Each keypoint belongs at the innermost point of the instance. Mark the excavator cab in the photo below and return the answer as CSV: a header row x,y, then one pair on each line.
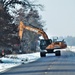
x,y
44,43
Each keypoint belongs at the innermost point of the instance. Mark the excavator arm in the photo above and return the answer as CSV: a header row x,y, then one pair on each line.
x,y
21,27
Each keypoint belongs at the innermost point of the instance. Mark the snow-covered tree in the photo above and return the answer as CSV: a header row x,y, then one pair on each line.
x,y
21,10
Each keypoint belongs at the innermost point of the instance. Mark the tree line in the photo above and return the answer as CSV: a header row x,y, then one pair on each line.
x,y
11,15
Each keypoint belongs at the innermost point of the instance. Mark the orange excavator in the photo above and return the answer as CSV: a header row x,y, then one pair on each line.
x,y
46,44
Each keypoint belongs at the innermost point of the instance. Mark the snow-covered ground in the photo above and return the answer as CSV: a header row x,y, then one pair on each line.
x,y
16,60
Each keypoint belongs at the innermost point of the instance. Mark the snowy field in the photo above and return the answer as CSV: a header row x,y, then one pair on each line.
x,y
16,60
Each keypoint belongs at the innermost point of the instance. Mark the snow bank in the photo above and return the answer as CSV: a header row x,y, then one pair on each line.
x,y
16,60
5,66
27,57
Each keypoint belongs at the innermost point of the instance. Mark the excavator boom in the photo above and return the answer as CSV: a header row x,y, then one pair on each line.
x,y
36,30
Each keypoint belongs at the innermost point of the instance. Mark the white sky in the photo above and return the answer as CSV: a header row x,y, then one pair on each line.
x,y
59,16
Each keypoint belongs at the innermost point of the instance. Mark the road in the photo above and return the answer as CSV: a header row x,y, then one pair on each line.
x,y
50,65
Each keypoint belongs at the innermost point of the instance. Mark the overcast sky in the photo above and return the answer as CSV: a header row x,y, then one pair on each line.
x,y
59,16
